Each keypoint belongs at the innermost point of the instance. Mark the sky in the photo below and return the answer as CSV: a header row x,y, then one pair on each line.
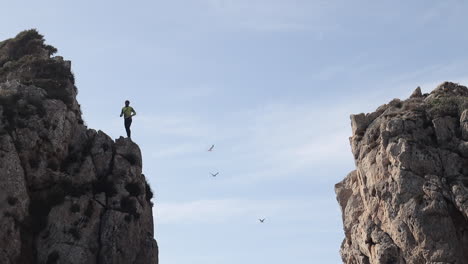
x,y
270,83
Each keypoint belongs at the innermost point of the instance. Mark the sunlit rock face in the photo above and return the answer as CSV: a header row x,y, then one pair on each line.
x,y
407,200
68,194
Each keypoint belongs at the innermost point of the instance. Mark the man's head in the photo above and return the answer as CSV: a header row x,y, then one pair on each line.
x,y
127,103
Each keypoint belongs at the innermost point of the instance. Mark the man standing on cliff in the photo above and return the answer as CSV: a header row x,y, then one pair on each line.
x,y
128,112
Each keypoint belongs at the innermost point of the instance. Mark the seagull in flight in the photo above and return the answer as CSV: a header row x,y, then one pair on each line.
x,y
211,148
261,220
215,174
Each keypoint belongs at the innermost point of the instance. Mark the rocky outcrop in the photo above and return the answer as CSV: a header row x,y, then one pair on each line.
x,y
68,194
407,200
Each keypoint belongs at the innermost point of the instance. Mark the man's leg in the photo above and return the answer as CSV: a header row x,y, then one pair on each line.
x,y
128,123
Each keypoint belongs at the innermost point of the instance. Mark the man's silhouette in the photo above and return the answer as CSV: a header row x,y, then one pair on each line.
x,y
127,113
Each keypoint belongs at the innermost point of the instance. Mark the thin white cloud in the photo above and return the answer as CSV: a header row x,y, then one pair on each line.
x,y
172,124
355,66
325,148
287,129
226,210
442,10
262,15
257,15
172,151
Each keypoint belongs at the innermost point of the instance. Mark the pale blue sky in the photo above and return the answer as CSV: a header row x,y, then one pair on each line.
x,y
271,83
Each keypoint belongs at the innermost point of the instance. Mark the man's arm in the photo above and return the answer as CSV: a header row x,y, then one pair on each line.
x,y
121,113
133,112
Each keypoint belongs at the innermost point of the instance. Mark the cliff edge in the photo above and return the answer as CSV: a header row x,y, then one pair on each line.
x,y
407,200
68,194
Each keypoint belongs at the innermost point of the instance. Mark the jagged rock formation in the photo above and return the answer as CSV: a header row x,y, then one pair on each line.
x,y
68,194
407,200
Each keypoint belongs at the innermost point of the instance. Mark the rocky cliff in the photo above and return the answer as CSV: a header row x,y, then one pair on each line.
x,y
68,194
407,200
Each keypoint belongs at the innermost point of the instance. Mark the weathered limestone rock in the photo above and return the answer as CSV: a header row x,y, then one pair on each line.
x,y
416,93
68,194
407,200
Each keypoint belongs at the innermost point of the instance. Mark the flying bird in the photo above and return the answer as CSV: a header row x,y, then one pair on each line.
x,y
261,220
215,174
211,148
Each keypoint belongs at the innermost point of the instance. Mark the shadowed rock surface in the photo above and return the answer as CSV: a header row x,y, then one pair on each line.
x,y
407,200
68,194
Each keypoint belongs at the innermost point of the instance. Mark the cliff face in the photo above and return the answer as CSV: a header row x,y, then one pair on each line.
x,y
407,200
68,194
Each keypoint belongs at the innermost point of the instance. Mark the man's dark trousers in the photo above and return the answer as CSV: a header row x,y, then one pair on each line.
x,y
128,123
